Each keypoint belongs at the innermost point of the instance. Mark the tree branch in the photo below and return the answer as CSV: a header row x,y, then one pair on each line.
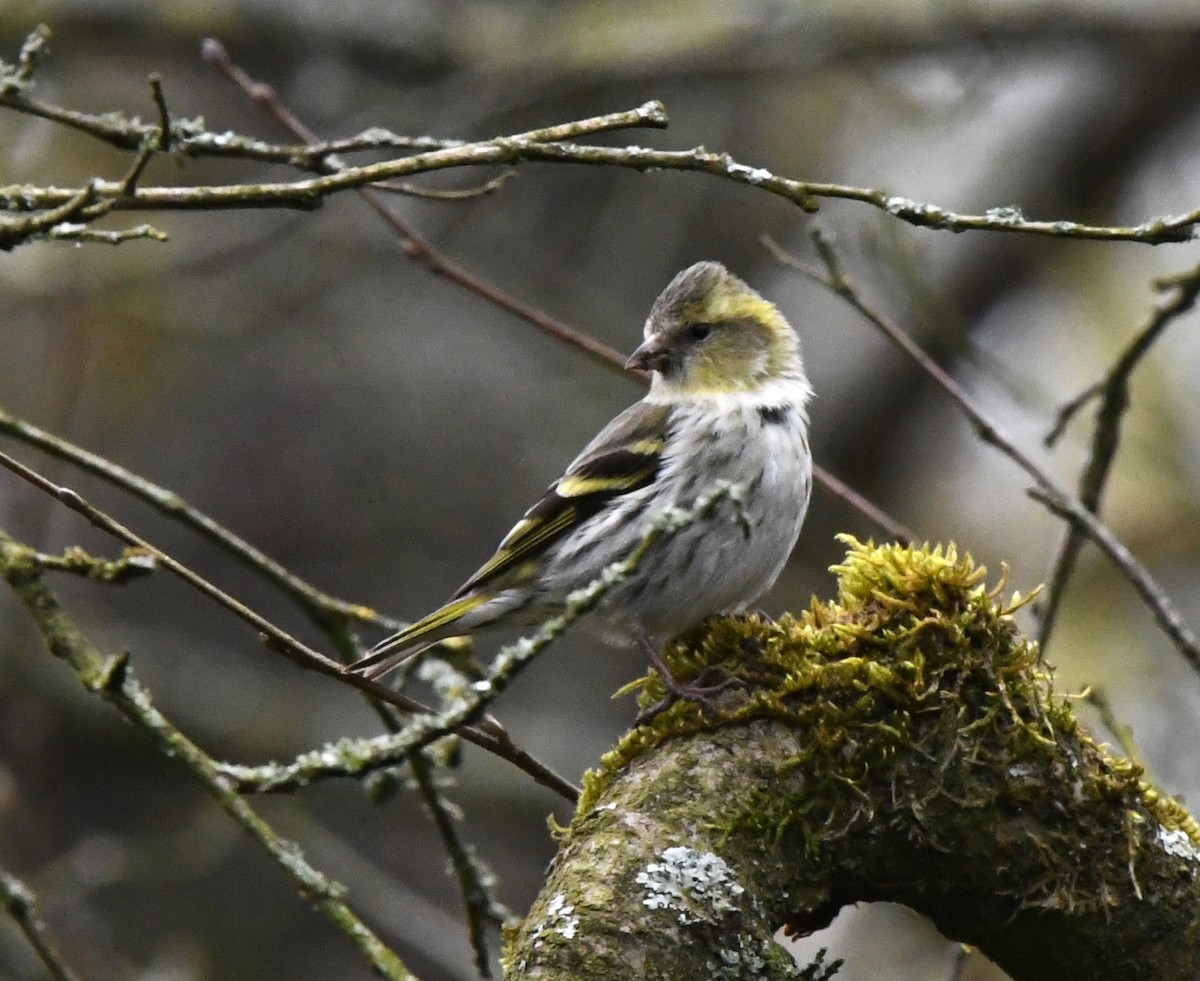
x,y
899,744
320,607
21,905
544,145
1113,394
113,680
491,736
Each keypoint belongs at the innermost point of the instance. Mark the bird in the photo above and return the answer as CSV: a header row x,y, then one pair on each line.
x,y
727,405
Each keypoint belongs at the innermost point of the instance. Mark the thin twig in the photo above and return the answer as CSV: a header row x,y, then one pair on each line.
x,y
353,757
447,194
1113,392
279,639
416,246
869,509
21,904
492,737
309,193
1163,610
134,564
1055,498
113,680
475,881
545,145
319,606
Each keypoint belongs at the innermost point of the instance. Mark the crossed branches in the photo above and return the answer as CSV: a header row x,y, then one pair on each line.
x,y
36,214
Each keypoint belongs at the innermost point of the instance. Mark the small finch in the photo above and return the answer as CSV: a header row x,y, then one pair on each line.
x,y
726,406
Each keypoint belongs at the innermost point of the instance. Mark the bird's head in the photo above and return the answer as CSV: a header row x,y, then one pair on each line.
x,y
709,333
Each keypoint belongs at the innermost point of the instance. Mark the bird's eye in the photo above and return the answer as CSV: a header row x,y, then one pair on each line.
x,y
699,331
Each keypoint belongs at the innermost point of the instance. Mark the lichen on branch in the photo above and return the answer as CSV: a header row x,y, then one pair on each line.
x,y
898,743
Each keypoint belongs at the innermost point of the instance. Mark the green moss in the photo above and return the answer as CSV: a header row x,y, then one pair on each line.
x,y
915,661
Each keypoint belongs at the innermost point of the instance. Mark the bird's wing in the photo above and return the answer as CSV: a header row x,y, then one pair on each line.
x,y
625,456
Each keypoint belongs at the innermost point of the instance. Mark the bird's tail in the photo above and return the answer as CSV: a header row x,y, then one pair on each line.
x,y
393,651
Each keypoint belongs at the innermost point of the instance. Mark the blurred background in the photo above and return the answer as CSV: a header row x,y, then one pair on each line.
x,y
376,429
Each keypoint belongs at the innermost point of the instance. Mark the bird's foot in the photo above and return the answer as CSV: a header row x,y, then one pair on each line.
x,y
703,691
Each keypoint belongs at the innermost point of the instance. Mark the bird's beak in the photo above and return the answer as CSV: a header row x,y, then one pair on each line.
x,y
651,355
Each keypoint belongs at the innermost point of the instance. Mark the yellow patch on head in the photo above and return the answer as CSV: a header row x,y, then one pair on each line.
x,y
726,303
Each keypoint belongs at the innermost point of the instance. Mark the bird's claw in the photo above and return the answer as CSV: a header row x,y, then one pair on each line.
x,y
702,693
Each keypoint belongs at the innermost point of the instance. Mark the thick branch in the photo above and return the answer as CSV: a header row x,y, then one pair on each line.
x,y
898,745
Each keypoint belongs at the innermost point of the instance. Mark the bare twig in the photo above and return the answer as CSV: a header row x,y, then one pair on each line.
x,y
320,607
491,737
1147,587
113,680
546,145
18,77
278,639
309,193
1113,393
134,564
1055,498
416,246
21,905
475,881
447,194
869,509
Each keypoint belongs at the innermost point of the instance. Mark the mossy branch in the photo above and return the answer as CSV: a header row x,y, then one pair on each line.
x,y
898,744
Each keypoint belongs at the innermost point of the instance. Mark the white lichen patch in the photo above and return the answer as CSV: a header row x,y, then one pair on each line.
x,y
1006,214
561,918
752,175
699,886
1178,843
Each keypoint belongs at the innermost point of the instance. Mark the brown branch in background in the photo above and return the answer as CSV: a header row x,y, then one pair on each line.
x,y
447,194
416,246
1047,492
1152,593
21,905
275,637
1113,393
490,735
872,512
